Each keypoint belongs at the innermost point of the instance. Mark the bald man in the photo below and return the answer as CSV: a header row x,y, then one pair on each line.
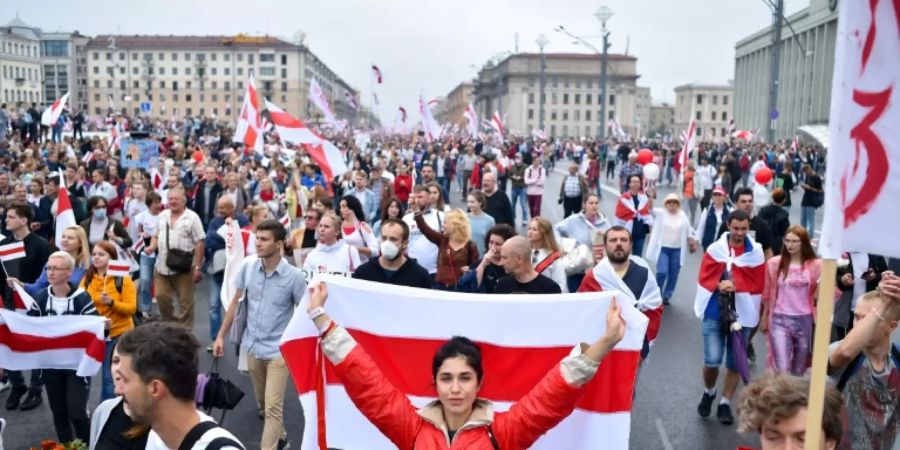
x,y
515,257
498,205
215,260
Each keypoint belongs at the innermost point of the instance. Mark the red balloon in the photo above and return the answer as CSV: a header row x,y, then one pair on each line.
x,y
645,156
763,175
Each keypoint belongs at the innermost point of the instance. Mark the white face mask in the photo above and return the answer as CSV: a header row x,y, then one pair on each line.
x,y
389,250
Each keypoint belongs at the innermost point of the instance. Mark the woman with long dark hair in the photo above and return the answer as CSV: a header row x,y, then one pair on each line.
x,y
788,300
354,229
458,418
392,209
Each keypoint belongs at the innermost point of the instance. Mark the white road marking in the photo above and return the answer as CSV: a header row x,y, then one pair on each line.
x,y
663,435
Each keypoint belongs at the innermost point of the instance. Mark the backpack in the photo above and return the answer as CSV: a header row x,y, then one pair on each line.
x,y
199,430
857,363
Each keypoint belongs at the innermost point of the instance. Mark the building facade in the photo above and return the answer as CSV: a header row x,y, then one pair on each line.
x,y
205,76
20,64
710,107
662,120
64,65
452,109
804,82
572,94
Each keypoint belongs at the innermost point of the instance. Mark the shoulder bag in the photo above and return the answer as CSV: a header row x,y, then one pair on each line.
x,y
177,259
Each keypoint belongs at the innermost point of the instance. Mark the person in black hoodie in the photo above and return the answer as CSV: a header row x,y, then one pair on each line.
x,y
393,266
67,392
777,218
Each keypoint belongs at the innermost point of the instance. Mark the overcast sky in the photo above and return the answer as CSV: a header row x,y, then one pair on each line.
x,y
427,47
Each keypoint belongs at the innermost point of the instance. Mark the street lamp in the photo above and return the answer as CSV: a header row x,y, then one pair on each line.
x,y
542,41
603,14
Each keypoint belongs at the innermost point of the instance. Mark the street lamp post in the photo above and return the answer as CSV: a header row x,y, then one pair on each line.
x,y
542,42
603,14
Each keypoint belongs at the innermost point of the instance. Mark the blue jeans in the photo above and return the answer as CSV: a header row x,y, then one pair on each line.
x,y
637,248
808,219
107,387
518,197
145,299
445,188
215,304
667,268
716,345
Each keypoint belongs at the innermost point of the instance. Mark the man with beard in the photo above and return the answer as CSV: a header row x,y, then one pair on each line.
x,y
629,274
393,266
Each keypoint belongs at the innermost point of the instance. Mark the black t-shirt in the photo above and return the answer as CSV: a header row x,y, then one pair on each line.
x,y
112,436
815,182
539,285
492,274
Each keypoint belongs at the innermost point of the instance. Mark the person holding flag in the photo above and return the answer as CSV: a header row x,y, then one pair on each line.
x,y
27,269
74,242
730,284
115,297
634,212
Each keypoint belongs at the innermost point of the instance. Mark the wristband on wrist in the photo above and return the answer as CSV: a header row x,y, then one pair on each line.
x,y
316,312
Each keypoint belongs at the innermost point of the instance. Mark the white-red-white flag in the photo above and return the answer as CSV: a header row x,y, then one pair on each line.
x,y
88,157
862,181
471,120
746,135
429,124
795,143
10,252
51,114
497,123
65,215
327,156
118,268
285,221
688,145
317,97
376,72
249,130
69,342
540,329
22,300
351,100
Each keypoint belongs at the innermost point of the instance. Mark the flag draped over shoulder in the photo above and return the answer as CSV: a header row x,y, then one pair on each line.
x,y
53,342
536,332
748,271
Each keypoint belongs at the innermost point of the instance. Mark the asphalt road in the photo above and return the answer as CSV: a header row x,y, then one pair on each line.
x,y
664,413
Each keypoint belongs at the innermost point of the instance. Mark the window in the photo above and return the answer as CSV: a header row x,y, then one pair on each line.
x,y
284,86
187,85
134,70
530,98
577,114
215,85
553,98
612,99
699,99
553,115
174,97
201,56
566,98
109,56
187,56
174,85
587,99
137,97
174,56
587,130
187,70
215,97
698,115
212,56
227,85
587,115
724,116
228,71
712,132
530,114
565,115
283,73
240,86
213,71
552,130
723,132
240,56
174,71
148,56
240,71
724,99
189,111
97,84
134,56
161,56
612,114
187,97
227,57
162,84
250,59
137,84
96,70
267,71
55,48
577,99
96,56
266,58
96,97
714,113
699,131
715,100
97,110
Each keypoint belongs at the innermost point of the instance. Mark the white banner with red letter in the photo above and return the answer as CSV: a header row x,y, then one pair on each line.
x,y
52,342
522,337
862,182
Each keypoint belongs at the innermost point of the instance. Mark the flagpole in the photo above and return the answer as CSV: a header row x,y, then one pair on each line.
x,y
372,91
821,335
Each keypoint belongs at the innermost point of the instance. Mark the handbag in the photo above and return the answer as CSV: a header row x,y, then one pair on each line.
x,y
577,258
177,259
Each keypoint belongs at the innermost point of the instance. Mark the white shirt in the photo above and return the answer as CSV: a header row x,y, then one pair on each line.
x,y
133,208
104,190
154,442
340,258
705,176
671,230
420,248
147,221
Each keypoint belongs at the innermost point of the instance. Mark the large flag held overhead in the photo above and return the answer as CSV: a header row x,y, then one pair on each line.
x,y
497,123
687,146
51,342
51,114
326,155
249,130
472,121
429,124
536,332
65,215
317,97
862,182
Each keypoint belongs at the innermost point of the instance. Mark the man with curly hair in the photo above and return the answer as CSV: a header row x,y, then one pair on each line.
x,y
775,407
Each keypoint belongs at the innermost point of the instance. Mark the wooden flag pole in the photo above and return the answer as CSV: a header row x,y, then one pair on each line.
x,y
822,335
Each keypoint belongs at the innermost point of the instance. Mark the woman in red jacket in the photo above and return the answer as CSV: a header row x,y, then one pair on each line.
x,y
403,184
459,417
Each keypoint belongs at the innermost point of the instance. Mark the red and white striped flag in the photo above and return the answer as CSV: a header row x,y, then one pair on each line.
x,y
65,215
22,301
51,114
118,268
748,271
497,122
285,221
327,156
12,251
249,130
88,157
795,143
430,125
730,126
138,246
472,120
688,146
376,72
540,329
52,342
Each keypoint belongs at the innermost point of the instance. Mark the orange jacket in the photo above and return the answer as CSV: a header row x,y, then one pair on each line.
x,y
547,404
123,305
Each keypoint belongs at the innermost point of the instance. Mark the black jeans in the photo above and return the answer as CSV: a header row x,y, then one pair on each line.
x,y
67,394
571,205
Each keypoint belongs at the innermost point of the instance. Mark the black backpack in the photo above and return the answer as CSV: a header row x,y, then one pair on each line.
x,y
216,444
857,363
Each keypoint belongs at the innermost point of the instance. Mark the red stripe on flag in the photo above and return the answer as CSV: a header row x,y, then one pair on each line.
x,y
12,249
29,343
511,372
118,267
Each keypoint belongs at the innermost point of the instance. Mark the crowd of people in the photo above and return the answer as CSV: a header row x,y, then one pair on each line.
x,y
390,219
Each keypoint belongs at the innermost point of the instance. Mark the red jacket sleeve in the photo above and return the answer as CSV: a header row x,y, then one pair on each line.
x,y
544,407
377,399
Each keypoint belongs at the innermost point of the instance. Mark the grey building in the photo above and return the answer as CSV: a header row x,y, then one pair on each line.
x,y
804,84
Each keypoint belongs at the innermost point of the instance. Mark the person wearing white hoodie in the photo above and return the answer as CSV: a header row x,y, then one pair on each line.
x,y
332,254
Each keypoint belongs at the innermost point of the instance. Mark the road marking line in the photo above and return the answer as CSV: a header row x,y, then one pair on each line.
x,y
663,435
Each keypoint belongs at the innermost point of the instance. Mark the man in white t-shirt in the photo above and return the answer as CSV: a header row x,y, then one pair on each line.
x,y
158,378
420,248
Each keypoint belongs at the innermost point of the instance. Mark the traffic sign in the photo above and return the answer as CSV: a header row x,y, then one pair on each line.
x,y
146,107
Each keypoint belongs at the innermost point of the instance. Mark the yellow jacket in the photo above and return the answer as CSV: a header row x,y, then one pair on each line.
x,y
123,306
